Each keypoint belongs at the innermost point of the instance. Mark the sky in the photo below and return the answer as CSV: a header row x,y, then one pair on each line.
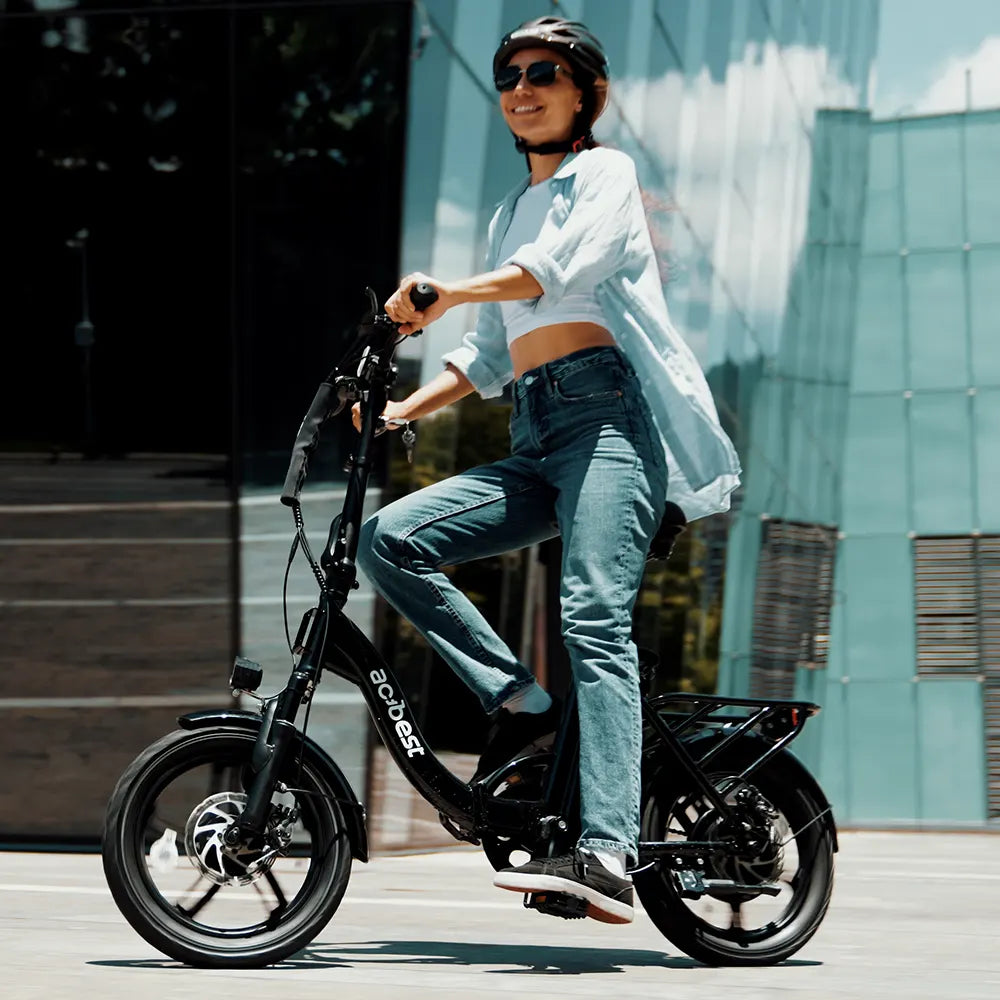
x,y
924,49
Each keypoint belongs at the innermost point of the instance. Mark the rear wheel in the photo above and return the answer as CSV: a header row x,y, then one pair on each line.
x,y
189,896
790,853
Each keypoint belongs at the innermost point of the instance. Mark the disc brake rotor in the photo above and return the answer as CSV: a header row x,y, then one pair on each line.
x,y
762,858
204,845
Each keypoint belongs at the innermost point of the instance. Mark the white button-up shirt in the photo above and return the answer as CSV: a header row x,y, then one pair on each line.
x,y
595,236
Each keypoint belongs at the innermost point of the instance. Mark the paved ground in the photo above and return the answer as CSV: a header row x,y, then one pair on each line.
x,y
914,916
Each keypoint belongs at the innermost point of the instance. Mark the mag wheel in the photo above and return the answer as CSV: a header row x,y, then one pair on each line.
x,y
786,865
187,894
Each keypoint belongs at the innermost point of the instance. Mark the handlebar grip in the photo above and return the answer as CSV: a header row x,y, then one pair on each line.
x,y
306,441
423,295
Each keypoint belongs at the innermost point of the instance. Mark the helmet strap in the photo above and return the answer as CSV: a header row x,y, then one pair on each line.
x,y
562,146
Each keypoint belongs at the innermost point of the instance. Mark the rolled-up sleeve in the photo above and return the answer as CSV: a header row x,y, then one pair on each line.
x,y
483,357
598,237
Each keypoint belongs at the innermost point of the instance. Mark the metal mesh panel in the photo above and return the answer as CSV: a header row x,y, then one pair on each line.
x,y
947,606
958,626
991,711
791,625
989,632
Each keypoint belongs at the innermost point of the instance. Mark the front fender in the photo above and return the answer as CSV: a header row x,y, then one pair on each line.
x,y
354,811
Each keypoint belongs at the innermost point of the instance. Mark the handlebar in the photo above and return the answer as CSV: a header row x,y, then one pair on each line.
x,y
328,402
423,295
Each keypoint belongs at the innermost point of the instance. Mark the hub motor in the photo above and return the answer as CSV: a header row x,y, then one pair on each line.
x,y
240,865
760,857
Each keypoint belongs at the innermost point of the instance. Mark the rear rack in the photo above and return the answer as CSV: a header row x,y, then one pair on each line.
x,y
777,721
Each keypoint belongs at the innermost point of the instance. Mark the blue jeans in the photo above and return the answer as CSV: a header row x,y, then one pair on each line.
x,y
586,464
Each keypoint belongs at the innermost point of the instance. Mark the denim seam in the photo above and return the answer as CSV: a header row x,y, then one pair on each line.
x,y
644,420
637,764
604,844
461,510
484,655
622,569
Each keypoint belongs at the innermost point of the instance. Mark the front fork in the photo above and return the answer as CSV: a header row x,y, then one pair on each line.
x,y
278,731
276,737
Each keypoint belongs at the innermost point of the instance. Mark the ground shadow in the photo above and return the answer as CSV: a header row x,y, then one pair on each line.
x,y
519,958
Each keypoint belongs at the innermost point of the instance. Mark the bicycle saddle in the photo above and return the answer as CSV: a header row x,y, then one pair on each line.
x,y
671,525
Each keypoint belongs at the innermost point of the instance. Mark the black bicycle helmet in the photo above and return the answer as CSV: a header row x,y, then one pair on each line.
x,y
588,64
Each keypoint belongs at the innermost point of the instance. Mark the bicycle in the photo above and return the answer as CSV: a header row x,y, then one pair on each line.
x,y
733,871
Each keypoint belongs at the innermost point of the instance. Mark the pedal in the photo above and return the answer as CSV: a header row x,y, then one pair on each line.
x,y
690,884
556,904
457,832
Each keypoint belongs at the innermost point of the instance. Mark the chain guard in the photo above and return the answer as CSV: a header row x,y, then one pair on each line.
x,y
524,780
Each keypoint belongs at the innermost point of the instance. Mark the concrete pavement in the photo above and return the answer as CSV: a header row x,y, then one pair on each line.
x,y
914,917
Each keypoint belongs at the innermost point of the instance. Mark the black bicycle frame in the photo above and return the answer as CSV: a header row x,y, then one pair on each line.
x,y
329,640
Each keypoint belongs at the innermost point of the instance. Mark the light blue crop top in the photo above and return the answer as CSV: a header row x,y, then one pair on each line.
x,y
521,317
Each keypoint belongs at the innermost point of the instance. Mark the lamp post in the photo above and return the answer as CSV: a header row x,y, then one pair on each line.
x,y
83,336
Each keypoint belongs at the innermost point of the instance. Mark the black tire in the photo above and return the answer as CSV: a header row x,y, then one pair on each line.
x,y
168,768
666,794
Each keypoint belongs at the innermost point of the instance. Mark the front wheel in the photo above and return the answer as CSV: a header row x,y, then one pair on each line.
x,y
792,856
189,896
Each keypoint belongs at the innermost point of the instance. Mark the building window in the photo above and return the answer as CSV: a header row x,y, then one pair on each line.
x,y
957,584
791,623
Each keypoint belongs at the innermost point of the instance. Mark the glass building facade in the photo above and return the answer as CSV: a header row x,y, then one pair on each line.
x,y
746,121
834,277
911,725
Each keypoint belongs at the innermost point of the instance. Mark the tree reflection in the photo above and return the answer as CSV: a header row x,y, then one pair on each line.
x,y
221,159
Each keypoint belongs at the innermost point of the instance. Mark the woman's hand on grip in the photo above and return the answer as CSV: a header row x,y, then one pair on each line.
x,y
401,310
392,411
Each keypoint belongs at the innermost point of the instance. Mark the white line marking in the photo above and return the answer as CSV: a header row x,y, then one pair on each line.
x,y
261,500
86,890
168,602
57,542
270,536
161,701
102,508
115,701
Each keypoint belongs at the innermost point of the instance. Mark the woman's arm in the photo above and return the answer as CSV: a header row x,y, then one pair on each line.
x,y
444,389
506,284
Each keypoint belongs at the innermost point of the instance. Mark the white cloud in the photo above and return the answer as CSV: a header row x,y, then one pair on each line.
x,y
947,91
738,165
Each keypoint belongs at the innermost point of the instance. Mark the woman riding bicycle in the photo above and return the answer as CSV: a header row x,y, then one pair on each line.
x,y
612,417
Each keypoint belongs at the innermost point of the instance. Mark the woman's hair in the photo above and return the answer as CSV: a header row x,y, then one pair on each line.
x,y
582,124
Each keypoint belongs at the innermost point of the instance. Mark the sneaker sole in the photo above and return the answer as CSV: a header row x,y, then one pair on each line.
x,y
599,906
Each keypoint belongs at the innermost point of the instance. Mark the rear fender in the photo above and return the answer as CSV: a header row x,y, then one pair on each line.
x,y
354,812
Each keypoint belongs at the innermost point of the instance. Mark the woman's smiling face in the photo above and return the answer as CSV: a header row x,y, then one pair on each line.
x,y
541,114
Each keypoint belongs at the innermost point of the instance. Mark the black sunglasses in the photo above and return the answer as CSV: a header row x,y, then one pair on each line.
x,y
540,74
